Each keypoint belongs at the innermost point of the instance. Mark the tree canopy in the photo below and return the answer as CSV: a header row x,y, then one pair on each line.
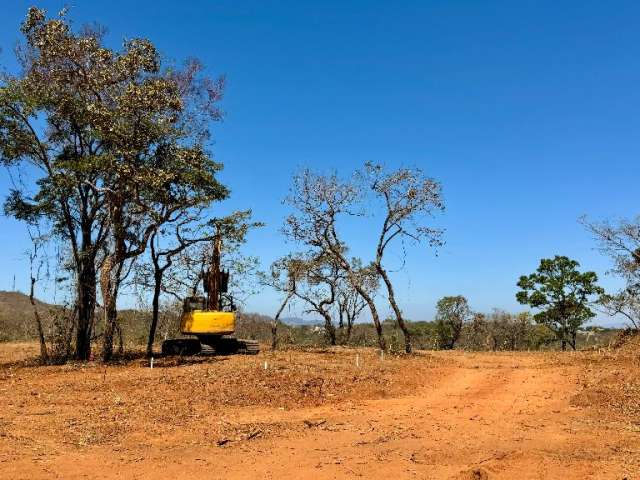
x,y
562,294
120,143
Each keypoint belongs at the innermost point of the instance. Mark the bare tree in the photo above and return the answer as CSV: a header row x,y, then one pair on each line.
x,y
409,197
317,285
283,276
621,242
350,303
318,202
36,264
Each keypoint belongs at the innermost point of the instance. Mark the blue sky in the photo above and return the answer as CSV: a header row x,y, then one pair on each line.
x,y
527,112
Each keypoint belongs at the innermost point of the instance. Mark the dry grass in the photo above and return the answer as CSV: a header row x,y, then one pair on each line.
x,y
93,404
611,382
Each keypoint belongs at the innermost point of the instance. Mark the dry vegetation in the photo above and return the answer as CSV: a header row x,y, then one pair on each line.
x,y
611,383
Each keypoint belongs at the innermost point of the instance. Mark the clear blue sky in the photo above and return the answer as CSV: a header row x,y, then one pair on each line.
x,y
528,112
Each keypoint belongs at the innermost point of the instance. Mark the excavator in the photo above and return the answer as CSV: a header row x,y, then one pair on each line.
x,y
211,319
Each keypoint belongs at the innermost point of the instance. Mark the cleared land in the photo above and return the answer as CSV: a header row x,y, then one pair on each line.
x,y
317,414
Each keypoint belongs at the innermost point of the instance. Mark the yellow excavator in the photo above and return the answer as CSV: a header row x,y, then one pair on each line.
x,y
211,319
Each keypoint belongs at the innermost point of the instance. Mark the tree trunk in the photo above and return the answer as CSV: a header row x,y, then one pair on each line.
x,y
408,348
111,318
367,298
349,328
86,301
276,319
374,316
329,329
44,355
155,313
274,334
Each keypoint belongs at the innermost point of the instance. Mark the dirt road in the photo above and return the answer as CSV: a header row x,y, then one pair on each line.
x,y
466,416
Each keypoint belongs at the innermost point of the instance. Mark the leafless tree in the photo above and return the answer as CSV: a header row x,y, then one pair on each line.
x,y
350,303
409,198
317,285
319,202
36,263
621,242
283,276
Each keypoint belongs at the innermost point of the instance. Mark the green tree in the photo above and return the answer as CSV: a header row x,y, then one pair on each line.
x,y
562,294
452,313
120,141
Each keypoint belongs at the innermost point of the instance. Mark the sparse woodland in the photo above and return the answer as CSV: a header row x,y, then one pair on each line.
x,y
125,198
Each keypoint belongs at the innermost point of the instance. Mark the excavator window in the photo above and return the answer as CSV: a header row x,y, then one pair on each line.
x,y
194,303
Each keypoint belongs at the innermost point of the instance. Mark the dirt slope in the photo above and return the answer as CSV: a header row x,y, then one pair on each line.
x,y
318,415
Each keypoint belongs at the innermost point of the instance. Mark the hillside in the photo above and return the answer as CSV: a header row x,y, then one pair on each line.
x,y
16,316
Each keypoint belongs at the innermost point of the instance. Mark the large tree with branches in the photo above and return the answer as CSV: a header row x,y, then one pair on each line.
x,y
319,202
409,198
123,149
562,294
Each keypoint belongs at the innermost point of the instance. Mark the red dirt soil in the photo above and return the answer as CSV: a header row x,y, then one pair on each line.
x,y
324,414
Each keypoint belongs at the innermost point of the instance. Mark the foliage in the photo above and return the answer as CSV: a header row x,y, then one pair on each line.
x,y
122,150
452,314
562,295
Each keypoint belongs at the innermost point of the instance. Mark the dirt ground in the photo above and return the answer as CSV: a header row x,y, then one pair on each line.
x,y
339,413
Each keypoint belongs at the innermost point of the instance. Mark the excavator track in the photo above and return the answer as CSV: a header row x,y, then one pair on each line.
x,y
210,346
223,345
181,346
249,347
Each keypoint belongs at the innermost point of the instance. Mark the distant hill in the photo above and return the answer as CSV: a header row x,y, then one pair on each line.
x,y
16,316
297,321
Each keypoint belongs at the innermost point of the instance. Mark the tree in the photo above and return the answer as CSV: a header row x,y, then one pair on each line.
x,y
52,90
283,276
408,197
452,313
506,331
562,295
318,279
350,303
625,303
186,233
179,253
123,151
35,266
621,242
319,202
